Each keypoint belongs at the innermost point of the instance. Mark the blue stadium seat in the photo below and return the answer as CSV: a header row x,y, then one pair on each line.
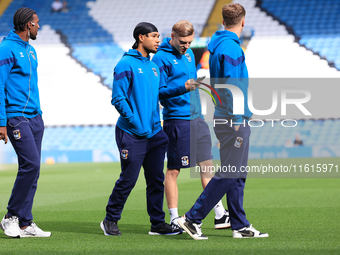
x,y
311,20
72,24
312,133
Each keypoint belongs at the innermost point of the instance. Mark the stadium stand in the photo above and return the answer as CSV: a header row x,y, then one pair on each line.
x,y
73,138
71,94
312,132
89,42
314,23
120,17
214,20
61,78
273,53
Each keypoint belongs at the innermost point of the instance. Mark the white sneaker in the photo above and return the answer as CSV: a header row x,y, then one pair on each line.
x,y
11,226
193,229
33,231
248,232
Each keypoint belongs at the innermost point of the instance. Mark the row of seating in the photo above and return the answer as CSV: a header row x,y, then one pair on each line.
x,y
273,53
80,31
311,132
119,18
311,20
69,93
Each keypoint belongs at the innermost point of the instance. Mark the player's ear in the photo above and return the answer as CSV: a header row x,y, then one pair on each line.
x,y
223,23
172,35
141,38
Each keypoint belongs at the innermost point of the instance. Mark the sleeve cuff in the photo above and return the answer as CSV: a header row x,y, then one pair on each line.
x,y
183,89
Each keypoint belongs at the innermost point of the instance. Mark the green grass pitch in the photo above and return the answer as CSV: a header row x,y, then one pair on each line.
x,y
301,215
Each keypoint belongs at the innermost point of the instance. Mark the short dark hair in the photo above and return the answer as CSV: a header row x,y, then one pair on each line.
x,y
183,28
233,14
21,17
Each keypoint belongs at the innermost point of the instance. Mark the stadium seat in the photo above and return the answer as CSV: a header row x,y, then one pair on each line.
x,y
311,21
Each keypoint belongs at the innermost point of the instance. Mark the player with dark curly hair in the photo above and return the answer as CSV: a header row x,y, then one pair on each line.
x,y
21,121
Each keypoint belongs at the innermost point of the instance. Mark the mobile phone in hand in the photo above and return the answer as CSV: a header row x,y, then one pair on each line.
x,y
200,79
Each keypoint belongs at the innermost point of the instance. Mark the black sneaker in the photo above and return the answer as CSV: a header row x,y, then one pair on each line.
x,y
224,222
165,229
110,228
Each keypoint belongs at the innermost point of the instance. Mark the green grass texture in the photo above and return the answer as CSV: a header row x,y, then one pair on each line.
x,y
301,215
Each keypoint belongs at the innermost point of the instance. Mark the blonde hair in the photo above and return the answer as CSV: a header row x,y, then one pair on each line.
x,y
183,28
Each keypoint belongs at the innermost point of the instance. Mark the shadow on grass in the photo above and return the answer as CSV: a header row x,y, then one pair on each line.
x,y
92,228
3,236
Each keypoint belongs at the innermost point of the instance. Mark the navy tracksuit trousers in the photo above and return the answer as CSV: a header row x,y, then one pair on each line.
x,y
134,153
26,137
234,148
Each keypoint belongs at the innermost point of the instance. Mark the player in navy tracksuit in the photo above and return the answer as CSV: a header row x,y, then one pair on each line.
x,y
227,62
139,135
189,135
20,120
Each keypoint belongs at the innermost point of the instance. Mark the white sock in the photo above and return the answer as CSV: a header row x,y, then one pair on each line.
x,y
173,213
219,210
